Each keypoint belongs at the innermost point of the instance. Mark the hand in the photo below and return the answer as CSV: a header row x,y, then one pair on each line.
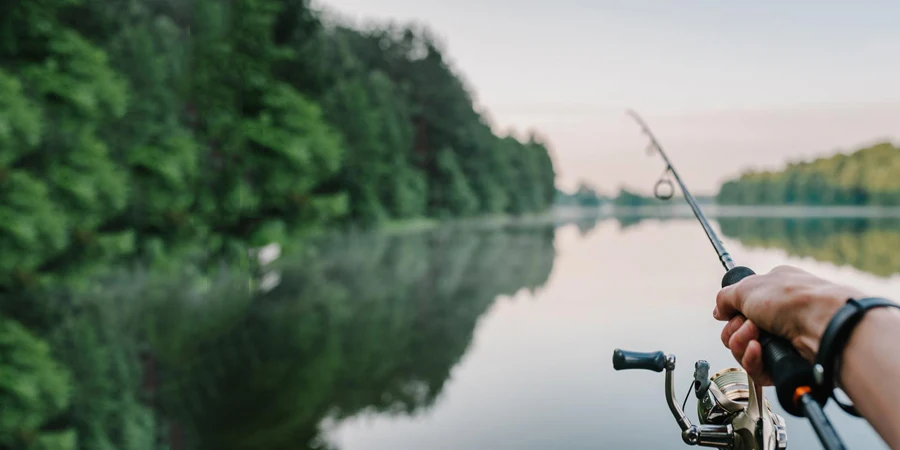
x,y
787,302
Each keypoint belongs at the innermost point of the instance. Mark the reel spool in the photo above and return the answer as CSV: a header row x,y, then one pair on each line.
x,y
729,397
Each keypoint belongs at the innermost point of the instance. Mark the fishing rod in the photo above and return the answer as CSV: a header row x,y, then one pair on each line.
x,y
732,409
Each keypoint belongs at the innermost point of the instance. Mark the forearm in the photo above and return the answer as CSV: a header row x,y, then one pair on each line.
x,y
871,368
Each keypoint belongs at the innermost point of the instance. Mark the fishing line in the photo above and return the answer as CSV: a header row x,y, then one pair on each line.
x,y
690,388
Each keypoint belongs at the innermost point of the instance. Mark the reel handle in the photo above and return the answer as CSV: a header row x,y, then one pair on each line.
x,y
789,370
627,360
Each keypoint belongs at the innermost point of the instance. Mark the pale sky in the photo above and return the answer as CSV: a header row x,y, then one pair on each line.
x,y
725,85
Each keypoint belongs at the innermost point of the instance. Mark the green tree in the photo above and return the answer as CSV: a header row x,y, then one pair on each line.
x,y
865,177
146,44
55,77
34,390
451,193
267,148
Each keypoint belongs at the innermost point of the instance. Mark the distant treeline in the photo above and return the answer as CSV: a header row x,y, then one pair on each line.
x,y
586,196
870,176
127,126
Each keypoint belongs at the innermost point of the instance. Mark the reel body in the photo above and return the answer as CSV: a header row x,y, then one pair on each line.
x,y
733,413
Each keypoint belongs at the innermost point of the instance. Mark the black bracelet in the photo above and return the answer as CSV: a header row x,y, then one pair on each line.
x,y
835,338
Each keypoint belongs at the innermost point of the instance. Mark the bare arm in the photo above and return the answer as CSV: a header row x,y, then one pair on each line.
x,y
870,372
798,306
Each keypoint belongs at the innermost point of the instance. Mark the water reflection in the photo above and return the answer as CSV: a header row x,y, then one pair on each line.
x,y
371,325
868,244
205,360
376,323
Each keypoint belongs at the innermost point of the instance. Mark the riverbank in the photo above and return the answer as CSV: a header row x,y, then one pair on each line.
x,y
716,211
561,215
487,221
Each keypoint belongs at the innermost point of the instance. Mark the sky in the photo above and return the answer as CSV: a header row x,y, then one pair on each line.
x,y
725,85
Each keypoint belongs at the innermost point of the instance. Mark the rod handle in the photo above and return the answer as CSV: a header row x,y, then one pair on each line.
x,y
627,360
788,370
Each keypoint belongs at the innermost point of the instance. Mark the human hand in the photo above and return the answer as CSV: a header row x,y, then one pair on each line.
x,y
787,302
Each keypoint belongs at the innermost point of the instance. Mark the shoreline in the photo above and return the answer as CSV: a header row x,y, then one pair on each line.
x,y
561,215
713,211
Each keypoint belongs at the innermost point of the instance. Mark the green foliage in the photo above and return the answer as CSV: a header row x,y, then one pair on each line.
x,y
451,190
267,147
869,176
150,140
151,130
629,198
585,196
526,178
416,145
59,184
20,121
34,389
135,126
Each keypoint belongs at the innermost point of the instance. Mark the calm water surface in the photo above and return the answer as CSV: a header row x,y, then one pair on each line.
x,y
467,338
537,373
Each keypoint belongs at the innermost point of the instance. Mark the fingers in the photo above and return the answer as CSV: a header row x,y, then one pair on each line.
x,y
753,364
741,338
733,325
753,297
740,335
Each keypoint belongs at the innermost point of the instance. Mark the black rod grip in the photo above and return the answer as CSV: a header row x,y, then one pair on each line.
x,y
626,360
781,360
736,274
788,370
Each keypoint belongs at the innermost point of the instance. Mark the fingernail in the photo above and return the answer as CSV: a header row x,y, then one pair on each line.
x,y
716,312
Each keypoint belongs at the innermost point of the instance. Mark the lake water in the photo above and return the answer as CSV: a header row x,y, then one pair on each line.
x,y
537,373
475,337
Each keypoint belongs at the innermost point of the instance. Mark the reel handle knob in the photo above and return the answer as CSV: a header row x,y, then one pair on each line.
x,y
789,370
627,360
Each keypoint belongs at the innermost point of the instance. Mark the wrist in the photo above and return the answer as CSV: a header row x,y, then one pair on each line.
x,y
818,312
846,323
860,340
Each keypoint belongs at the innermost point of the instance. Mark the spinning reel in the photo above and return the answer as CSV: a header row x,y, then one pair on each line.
x,y
733,413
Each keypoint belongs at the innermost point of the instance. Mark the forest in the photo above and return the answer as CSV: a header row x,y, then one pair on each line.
x,y
135,128
146,145
869,176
